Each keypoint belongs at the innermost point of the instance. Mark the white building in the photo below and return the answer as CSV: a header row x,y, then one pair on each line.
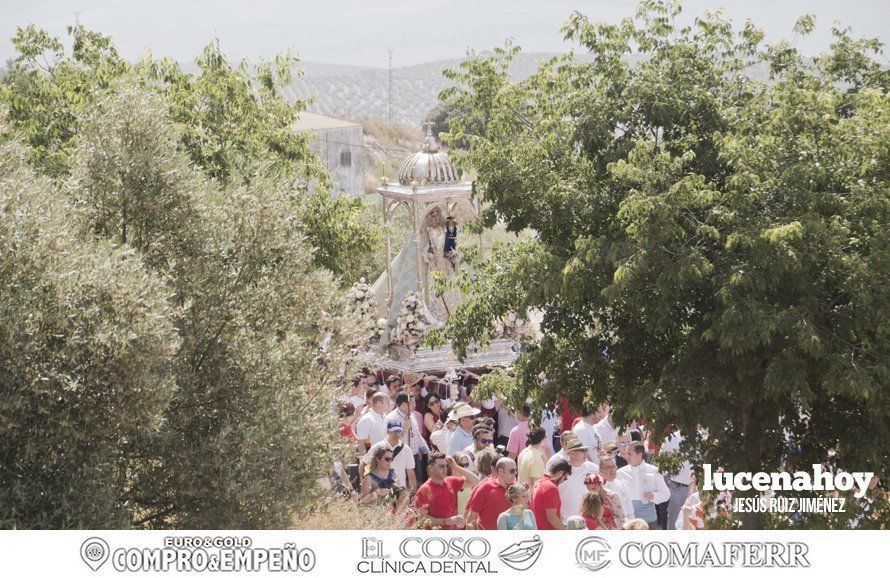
x,y
340,145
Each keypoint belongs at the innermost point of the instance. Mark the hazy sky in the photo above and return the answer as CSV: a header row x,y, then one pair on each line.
x,y
360,31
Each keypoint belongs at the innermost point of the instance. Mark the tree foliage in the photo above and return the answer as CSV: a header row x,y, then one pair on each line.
x,y
232,122
711,250
46,89
341,230
167,268
86,341
252,414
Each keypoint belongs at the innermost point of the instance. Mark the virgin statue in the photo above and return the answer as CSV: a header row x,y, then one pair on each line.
x,y
434,237
440,256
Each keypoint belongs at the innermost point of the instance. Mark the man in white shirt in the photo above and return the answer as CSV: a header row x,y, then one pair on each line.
x,y
404,414
644,484
357,395
604,427
561,455
403,459
678,484
586,432
371,428
483,437
609,472
573,490
465,415
410,430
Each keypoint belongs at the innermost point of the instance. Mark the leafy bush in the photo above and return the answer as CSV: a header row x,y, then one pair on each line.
x,y
233,123
251,427
86,342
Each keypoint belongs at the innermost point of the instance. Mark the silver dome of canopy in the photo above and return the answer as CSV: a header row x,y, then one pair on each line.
x,y
429,166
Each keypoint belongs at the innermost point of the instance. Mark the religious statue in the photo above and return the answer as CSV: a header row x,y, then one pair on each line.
x,y
451,252
434,252
441,255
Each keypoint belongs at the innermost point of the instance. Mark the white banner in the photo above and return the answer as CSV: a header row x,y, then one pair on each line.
x,y
383,553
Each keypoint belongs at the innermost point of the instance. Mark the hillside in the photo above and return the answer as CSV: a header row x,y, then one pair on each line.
x,y
355,92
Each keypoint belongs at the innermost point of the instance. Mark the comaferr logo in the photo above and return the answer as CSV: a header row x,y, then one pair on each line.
x,y
714,555
594,553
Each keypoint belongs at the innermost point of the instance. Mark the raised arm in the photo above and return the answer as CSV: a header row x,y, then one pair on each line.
x,y
471,478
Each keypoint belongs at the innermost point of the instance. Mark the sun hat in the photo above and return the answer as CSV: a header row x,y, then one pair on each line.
x,y
575,444
409,378
609,448
463,409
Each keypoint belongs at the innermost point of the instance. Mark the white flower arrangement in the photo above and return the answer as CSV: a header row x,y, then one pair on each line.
x,y
363,303
379,328
412,322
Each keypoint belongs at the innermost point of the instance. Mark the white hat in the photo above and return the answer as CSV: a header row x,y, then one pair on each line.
x,y
462,409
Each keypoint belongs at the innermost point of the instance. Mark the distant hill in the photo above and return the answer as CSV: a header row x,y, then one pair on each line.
x,y
356,92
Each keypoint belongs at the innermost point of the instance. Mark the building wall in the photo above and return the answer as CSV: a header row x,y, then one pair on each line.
x,y
342,150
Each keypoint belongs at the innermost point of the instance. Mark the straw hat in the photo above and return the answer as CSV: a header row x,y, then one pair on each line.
x,y
462,409
609,447
575,444
409,378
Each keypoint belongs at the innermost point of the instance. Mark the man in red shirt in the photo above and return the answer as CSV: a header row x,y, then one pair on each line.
x,y
489,497
436,500
545,501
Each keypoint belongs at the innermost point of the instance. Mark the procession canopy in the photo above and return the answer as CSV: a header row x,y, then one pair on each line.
x,y
437,203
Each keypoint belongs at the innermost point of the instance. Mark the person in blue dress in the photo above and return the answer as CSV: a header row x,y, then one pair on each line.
x,y
381,477
450,235
519,516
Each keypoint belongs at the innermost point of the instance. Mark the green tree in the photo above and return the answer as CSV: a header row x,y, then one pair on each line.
x,y
441,116
233,122
711,250
343,234
45,89
86,340
252,427
235,119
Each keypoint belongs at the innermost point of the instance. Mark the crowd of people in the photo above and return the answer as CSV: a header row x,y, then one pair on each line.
x,y
440,459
